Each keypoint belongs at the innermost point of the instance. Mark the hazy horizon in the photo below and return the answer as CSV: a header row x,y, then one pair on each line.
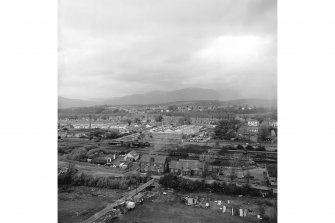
x,y
103,98
114,48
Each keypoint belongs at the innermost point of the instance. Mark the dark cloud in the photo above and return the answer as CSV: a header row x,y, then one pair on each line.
x,y
115,47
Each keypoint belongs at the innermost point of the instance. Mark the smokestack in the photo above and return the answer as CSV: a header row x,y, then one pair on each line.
x,y
90,121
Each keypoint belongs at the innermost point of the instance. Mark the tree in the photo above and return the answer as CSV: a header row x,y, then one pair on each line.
x,y
239,147
105,117
169,180
128,121
184,121
159,118
226,129
248,147
172,107
113,134
77,154
263,132
137,121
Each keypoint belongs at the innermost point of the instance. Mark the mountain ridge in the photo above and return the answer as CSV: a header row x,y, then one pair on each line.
x,y
154,97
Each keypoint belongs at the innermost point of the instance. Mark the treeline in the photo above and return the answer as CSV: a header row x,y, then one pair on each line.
x,y
84,153
226,129
186,185
70,178
203,114
95,110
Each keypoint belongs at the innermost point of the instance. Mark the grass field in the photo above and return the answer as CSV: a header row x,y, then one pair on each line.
x,y
93,170
169,208
177,212
76,204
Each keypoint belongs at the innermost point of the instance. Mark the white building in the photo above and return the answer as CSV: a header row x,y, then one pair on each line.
x,y
253,123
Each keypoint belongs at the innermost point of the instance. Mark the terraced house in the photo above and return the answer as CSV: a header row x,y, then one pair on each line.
x,y
187,167
153,164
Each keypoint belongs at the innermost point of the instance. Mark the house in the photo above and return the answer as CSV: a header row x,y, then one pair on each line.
x,y
187,167
191,201
132,156
271,123
153,164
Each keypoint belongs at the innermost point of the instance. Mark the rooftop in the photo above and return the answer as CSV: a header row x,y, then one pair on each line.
x,y
156,158
186,164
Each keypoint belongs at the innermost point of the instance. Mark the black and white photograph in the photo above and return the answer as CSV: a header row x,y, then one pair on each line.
x,y
167,111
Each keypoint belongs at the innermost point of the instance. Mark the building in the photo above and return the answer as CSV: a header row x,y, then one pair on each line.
x,y
253,123
174,133
187,167
204,121
252,129
153,164
132,156
271,123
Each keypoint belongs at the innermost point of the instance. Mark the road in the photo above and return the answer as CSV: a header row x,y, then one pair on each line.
x,y
110,207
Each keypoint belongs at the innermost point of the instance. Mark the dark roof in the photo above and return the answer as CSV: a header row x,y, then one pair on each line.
x,y
156,158
186,164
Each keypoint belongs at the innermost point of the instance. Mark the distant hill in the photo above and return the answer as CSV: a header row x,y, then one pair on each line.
x,y
158,97
74,103
253,102
162,97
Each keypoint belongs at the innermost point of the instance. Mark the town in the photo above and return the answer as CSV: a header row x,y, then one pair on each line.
x,y
205,157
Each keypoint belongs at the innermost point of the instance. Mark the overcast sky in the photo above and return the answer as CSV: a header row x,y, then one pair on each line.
x,y
111,48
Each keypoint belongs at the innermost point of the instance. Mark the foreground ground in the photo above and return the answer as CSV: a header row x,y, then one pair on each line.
x,y
76,204
170,208
79,203
175,211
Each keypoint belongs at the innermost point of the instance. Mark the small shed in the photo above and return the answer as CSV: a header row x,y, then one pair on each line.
x,y
138,198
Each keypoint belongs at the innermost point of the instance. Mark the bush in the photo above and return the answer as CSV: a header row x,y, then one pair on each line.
x,y
93,153
239,147
65,149
169,180
248,147
101,182
178,183
77,154
261,148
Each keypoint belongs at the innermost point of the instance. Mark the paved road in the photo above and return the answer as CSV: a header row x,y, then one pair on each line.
x,y
110,207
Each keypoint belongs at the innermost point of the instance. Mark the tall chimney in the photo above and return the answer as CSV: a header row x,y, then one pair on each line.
x,y
90,121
